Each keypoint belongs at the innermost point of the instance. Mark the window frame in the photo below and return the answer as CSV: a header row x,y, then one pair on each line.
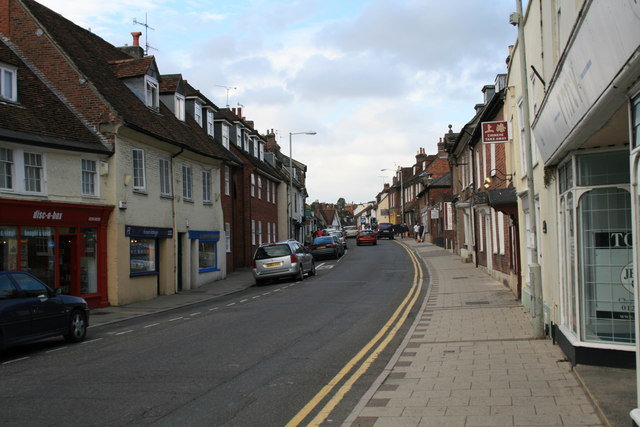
x,y
139,170
166,184
13,85
210,123
227,180
206,186
180,108
151,93
89,177
38,179
187,182
197,113
8,170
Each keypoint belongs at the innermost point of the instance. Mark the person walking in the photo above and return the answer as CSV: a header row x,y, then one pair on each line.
x,y
416,231
420,233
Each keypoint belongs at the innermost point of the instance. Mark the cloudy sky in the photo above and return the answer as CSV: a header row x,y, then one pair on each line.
x,y
376,79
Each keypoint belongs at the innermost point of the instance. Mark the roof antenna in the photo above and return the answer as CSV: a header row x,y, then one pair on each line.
x,y
146,41
228,88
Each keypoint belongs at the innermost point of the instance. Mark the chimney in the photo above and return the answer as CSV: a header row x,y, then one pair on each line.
x,y
240,113
136,50
136,37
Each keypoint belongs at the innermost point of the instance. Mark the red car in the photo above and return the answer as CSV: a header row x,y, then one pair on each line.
x,y
366,237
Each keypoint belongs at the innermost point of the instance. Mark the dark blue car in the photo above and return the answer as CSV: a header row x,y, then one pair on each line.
x,y
30,310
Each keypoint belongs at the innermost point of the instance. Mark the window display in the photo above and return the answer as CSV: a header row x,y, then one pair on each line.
x,y
143,256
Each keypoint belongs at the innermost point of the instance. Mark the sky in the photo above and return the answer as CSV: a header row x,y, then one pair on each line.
x,y
375,79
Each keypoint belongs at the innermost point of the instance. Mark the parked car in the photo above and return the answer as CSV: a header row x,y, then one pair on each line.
x,y
326,246
287,259
30,310
365,237
351,231
342,237
385,230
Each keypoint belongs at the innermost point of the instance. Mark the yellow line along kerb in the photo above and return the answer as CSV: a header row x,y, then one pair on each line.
x,y
406,306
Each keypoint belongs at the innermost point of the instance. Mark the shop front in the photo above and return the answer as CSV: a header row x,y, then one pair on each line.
x,y
63,244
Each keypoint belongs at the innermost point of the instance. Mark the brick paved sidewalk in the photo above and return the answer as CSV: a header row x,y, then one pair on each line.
x,y
470,360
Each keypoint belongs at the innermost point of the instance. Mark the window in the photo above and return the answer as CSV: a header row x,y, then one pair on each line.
x,y
207,259
6,169
179,105
259,187
225,136
268,191
259,232
227,235
261,151
187,182
256,153
274,194
210,127
8,83
152,93
501,240
197,113
635,122
206,186
253,231
165,177
239,136
142,256
253,185
33,172
227,180
89,177
139,178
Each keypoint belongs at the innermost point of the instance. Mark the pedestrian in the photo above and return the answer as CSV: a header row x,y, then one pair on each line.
x,y
420,233
318,232
416,231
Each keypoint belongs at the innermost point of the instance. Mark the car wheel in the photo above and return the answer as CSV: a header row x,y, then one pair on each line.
x,y
259,282
300,276
312,272
375,243
357,244
77,326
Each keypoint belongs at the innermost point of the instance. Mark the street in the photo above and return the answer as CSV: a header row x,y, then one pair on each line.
x,y
252,358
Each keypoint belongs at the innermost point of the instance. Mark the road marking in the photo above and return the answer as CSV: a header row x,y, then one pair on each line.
x,y
152,325
244,300
214,308
125,332
175,318
55,349
266,293
15,360
257,296
390,329
232,304
325,267
90,341
194,314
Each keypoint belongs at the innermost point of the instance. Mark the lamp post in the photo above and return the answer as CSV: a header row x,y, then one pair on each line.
x,y
290,207
401,193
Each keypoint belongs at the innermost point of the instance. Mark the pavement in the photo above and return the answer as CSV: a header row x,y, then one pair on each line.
x,y
469,358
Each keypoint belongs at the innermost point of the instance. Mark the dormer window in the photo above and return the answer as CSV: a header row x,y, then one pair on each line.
x,y
238,136
8,83
225,135
151,92
255,148
179,103
198,112
261,151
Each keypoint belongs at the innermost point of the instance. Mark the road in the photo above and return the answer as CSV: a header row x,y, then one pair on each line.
x,y
261,357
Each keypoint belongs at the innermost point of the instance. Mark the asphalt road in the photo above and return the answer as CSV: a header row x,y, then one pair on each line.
x,y
252,358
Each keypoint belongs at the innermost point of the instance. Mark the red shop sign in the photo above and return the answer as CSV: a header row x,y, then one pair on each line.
x,y
28,212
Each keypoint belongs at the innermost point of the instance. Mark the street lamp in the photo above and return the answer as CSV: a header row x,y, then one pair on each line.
x,y
401,193
290,207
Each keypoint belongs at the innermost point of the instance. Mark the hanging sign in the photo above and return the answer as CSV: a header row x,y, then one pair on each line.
x,y
495,132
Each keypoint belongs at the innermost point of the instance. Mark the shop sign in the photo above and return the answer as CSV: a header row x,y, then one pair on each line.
x,y
435,214
495,132
149,232
613,251
50,214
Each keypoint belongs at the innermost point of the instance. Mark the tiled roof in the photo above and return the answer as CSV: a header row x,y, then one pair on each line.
x,y
132,67
169,83
40,117
95,58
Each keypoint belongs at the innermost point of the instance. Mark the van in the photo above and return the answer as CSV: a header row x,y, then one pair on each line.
x,y
385,229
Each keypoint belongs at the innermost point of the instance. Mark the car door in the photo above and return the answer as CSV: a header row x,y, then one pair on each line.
x,y
48,312
304,256
15,311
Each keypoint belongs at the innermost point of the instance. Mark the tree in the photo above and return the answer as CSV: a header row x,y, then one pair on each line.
x,y
341,202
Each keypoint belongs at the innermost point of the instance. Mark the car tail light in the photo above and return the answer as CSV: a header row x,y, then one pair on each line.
x,y
294,258
253,264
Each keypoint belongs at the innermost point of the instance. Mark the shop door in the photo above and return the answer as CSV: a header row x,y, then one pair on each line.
x,y
67,265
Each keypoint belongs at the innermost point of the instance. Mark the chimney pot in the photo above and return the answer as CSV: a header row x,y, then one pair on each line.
x,y
136,37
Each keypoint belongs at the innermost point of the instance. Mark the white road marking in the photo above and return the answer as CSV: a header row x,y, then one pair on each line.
x,y
15,360
175,318
125,332
194,314
152,325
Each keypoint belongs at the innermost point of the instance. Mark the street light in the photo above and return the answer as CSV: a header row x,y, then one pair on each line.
x,y
290,207
401,193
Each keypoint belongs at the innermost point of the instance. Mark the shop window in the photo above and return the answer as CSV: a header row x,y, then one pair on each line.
x,y
603,168
8,248
207,255
606,261
88,261
143,258
36,252
88,177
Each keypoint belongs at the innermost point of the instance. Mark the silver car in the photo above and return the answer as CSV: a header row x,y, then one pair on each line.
x,y
288,259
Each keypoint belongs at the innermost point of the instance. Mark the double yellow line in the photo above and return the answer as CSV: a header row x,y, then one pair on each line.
x,y
388,331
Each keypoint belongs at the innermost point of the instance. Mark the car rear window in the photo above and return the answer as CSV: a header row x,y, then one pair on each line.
x,y
322,240
366,232
274,251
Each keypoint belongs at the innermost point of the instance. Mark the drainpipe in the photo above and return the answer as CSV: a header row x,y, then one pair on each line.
x,y
535,271
174,219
